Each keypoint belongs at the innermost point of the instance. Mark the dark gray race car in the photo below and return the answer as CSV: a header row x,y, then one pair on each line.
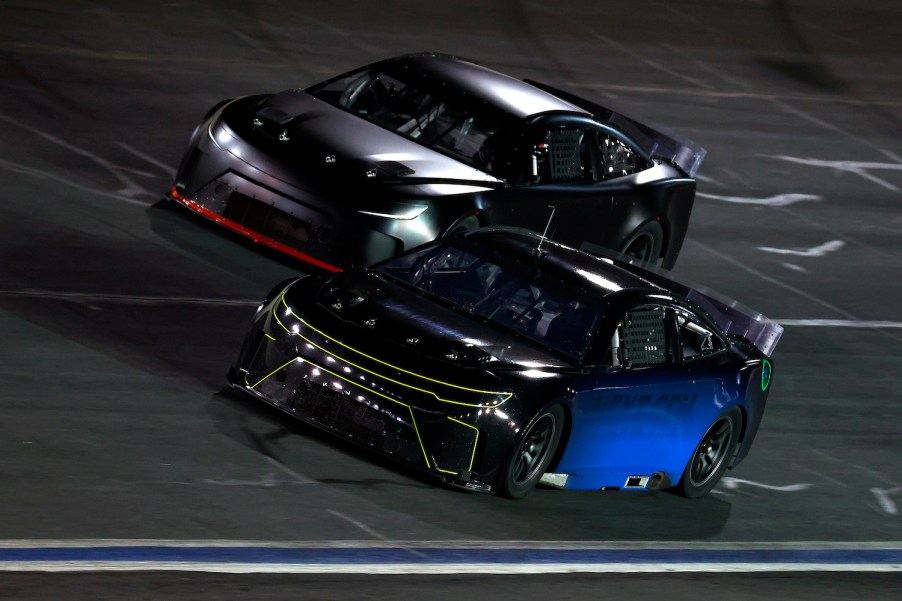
x,y
394,154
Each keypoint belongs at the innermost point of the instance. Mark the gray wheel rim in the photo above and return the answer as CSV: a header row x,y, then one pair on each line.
x,y
641,248
532,451
711,452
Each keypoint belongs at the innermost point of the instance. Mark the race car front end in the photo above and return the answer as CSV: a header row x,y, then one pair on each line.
x,y
317,183
228,180
307,363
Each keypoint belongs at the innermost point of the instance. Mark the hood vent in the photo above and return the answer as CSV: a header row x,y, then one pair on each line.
x,y
339,299
272,122
394,169
469,356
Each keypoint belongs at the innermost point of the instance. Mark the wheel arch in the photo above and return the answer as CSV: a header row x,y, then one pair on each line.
x,y
743,432
565,434
652,227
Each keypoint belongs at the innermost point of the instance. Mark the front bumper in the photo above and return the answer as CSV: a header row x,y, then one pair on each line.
x,y
286,243
232,183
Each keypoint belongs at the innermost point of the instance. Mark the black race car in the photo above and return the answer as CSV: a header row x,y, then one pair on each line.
x,y
496,359
394,154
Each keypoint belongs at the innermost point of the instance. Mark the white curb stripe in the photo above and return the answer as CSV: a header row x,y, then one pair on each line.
x,y
439,568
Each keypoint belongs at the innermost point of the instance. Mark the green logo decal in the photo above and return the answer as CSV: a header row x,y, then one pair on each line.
x,y
766,371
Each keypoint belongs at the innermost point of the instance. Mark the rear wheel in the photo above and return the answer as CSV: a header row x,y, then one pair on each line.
x,y
711,456
532,454
644,245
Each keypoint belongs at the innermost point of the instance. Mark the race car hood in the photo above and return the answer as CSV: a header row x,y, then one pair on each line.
x,y
310,140
407,326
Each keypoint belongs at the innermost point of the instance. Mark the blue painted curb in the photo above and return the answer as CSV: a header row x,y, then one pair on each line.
x,y
416,555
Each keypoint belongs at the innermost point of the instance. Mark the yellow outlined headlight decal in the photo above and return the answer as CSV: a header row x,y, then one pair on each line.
x,y
370,391
291,331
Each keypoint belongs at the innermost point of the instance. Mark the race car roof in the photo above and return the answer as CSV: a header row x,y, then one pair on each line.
x,y
587,271
507,93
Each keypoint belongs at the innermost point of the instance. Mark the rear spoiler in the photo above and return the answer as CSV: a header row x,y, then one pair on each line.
x,y
732,316
739,320
658,142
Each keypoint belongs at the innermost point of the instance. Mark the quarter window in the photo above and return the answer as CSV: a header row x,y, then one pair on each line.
x,y
695,338
615,159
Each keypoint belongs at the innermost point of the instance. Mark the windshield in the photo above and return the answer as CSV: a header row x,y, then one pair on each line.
x,y
468,133
514,295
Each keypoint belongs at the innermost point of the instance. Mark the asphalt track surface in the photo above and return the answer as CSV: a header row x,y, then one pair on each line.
x,y
119,314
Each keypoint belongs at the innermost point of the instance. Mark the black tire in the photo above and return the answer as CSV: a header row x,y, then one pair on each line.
x,y
712,455
467,223
644,245
532,454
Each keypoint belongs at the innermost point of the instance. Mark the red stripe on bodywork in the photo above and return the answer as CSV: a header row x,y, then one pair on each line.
x,y
256,237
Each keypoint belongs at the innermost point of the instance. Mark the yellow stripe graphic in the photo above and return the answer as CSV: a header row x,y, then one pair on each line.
x,y
505,395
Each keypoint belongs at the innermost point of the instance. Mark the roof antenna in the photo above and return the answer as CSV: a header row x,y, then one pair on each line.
x,y
547,225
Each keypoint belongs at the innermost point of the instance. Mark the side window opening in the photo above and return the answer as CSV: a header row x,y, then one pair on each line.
x,y
641,338
573,154
561,156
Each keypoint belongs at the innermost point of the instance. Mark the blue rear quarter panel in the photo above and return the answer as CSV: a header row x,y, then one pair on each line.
x,y
646,420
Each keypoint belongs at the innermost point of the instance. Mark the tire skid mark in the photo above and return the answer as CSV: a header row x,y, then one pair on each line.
x,y
49,175
131,188
815,251
859,168
777,200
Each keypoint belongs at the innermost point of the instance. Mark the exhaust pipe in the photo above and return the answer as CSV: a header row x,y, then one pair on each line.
x,y
658,481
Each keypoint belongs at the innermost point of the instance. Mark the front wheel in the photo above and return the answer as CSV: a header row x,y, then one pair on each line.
x,y
644,245
711,456
533,453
